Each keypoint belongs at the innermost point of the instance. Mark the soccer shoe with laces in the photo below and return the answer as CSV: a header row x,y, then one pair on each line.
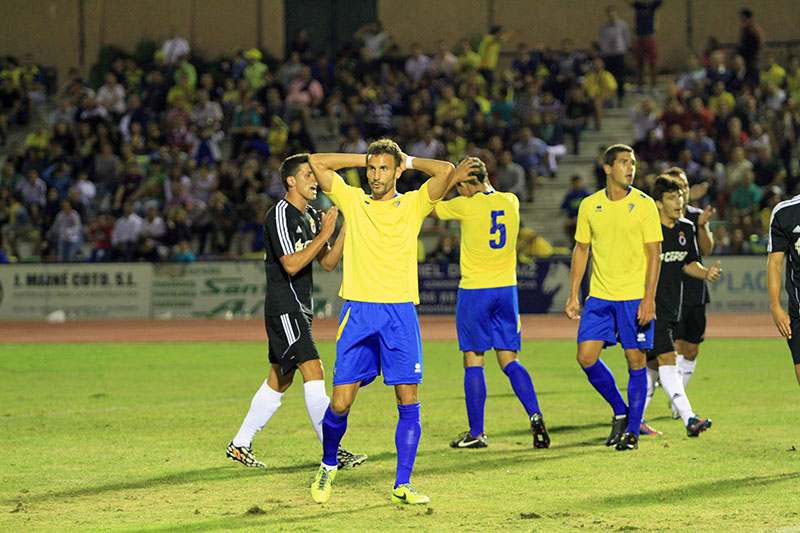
x,y
349,460
405,493
695,426
629,441
646,429
465,440
322,485
540,437
244,455
618,425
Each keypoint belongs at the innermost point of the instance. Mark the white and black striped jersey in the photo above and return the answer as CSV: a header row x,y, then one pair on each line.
x,y
286,231
678,249
784,236
695,291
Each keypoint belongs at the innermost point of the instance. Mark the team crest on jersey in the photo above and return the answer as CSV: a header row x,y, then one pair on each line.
x,y
630,207
598,209
681,239
312,223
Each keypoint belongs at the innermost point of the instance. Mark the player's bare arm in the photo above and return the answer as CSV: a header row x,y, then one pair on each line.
x,y
325,166
647,309
580,255
439,171
696,270
779,314
705,239
294,263
330,256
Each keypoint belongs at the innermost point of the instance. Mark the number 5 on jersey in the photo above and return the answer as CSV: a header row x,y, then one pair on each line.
x,y
497,227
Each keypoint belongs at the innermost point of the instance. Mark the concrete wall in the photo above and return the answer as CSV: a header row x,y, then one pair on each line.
x,y
50,28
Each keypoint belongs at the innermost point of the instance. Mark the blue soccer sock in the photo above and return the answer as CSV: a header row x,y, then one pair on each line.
x,y
475,396
637,394
602,379
523,386
406,439
333,428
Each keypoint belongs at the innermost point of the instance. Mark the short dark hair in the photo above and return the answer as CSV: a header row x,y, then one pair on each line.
x,y
746,13
480,175
610,155
386,146
289,167
676,172
662,185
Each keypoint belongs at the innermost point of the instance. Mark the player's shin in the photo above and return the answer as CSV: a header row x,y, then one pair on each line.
x,y
406,439
316,403
603,381
264,404
652,378
637,393
673,387
333,429
523,386
475,398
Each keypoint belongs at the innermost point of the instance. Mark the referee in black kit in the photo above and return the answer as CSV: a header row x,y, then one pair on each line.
x,y
294,234
784,239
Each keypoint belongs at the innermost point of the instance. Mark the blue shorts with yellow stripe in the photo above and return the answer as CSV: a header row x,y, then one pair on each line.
x,y
488,318
377,338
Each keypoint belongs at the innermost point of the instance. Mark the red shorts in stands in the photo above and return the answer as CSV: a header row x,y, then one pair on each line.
x,y
645,49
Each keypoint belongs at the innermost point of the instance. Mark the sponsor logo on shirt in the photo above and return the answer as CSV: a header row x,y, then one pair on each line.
x,y
669,257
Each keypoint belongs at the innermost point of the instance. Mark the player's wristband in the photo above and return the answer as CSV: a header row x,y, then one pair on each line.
x,y
409,161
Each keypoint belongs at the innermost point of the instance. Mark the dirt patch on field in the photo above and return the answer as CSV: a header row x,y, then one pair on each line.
x,y
433,328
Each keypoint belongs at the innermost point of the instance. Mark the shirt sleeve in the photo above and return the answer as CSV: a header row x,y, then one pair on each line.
x,y
423,201
342,194
778,237
694,250
583,232
451,209
651,222
279,236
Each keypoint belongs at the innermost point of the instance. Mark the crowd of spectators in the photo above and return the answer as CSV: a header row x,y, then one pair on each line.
x,y
177,159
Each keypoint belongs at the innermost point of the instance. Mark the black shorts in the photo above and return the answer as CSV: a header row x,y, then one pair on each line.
x,y
691,326
290,340
794,342
663,341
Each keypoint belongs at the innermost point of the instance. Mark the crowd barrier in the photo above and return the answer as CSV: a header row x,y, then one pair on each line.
x,y
227,289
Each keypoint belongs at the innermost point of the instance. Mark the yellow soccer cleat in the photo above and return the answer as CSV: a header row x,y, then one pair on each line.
x,y
405,493
321,488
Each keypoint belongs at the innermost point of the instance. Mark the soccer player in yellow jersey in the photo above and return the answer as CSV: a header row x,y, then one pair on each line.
x,y
487,313
623,227
378,326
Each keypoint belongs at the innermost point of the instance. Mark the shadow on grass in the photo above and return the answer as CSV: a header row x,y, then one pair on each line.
x,y
712,488
237,521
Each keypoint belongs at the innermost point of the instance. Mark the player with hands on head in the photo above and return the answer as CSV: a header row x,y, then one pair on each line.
x,y
378,326
487,312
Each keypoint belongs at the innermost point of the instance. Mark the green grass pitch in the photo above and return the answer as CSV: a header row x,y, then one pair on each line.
x,y
131,437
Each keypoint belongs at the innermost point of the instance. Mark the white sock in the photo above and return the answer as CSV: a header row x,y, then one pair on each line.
x,y
652,377
264,404
316,403
673,386
686,368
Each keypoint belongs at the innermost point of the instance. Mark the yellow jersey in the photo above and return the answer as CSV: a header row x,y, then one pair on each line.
x,y
380,246
617,232
489,230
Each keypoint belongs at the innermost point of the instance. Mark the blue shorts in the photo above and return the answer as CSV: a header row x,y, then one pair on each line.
x,y
611,321
376,338
488,318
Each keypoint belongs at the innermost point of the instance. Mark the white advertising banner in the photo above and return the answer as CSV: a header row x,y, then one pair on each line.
x,y
742,288
111,290
227,289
